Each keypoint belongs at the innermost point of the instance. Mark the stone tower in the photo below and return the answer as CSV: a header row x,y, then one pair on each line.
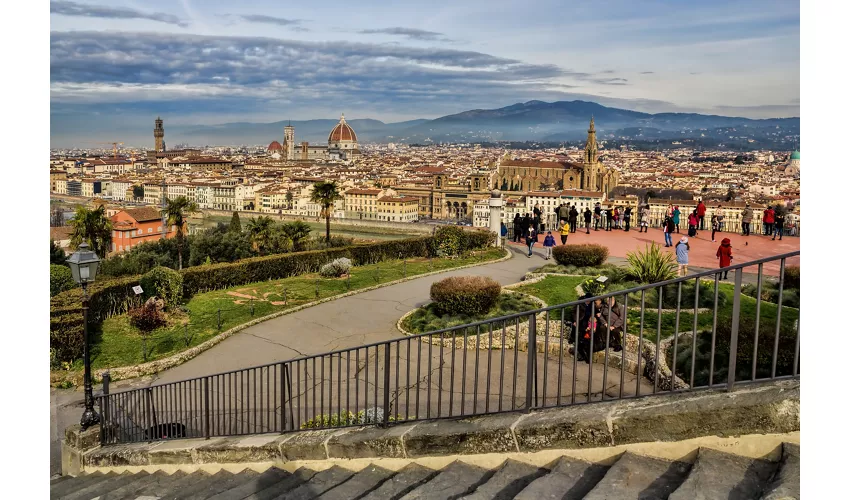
x,y
289,142
591,159
158,136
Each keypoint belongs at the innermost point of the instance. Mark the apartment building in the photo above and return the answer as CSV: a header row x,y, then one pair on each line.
x,y
398,209
362,203
133,226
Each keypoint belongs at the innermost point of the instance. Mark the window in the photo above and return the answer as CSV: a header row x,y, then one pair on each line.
x,y
159,229
150,230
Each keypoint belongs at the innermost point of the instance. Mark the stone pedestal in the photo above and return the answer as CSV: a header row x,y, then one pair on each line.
x,y
76,443
496,215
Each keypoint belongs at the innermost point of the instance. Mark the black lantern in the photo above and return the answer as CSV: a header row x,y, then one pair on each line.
x,y
84,264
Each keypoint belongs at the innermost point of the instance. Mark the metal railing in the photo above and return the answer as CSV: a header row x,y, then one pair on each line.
x,y
518,362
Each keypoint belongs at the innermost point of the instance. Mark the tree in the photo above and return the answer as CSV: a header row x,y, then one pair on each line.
x,y
289,198
235,225
56,219
260,232
138,192
57,255
176,211
297,232
92,226
325,194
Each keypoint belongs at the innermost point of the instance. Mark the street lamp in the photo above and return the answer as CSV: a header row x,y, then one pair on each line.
x,y
84,264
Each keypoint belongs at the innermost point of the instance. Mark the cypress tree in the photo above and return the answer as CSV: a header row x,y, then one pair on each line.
x,y
235,225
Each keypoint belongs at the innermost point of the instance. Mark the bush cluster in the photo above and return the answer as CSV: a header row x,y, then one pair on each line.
x,y
586,255
465,294
164,283
147,317
792,277
452,241
60,279
336,268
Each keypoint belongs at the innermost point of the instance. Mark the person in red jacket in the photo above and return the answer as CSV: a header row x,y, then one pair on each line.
x,y
768,220
701,214
724,253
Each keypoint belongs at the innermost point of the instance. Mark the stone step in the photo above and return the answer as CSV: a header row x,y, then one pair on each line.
x,y
786,482
60,479
67,487
166,486
721,475
511,478
135,488
359,485
215,484
319,483
569,479
453,481
402,482
638,477
294,480
271,476
97,489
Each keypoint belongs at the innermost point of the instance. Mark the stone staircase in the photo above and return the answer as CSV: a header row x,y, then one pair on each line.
x,y
712,475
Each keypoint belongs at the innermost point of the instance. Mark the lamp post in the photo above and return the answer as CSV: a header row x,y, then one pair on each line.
x,y
84,264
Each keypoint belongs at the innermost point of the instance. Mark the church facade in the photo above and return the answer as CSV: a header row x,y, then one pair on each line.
x,y
342,145
533,175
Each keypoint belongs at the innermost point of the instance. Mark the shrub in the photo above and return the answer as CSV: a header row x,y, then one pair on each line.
x,y
66,338
164,283
147,317
585,255
449,241
770,293
465,294
792,277
430,318
336,268
651,265
593,287
60,279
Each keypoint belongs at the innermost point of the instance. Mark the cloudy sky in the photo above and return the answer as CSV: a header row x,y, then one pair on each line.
x,y
116,64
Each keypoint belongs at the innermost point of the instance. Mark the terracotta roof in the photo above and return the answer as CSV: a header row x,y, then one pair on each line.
x,y
61,233
363,191
144,214
275,146
402,199
539,164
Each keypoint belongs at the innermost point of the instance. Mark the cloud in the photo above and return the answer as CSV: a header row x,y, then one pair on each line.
x,y
64,8
610,81
647,72
280,21
410,33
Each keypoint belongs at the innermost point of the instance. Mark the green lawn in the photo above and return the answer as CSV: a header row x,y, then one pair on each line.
x,y
554,290
116,343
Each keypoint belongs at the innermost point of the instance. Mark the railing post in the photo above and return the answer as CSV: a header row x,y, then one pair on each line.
x,y
531,372
386,384
736,316
206,408
104,408
219,318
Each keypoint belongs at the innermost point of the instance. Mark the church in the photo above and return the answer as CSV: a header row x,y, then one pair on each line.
x,y
534,175
342,145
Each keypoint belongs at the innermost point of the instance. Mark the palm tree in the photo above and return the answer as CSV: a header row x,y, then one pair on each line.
x,y
325,194
92,226
260,231
176,211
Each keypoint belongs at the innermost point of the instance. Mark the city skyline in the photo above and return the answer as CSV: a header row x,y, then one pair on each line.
x,y
114,64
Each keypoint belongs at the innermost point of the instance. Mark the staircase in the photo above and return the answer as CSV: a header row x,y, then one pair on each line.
x,y
713,475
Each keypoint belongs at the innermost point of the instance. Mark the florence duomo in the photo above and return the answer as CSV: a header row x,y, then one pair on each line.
x,y
342,145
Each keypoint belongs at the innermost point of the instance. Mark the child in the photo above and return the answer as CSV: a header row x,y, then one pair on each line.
x,y
682,249
724,253
530,239
715,226
548,243
565,231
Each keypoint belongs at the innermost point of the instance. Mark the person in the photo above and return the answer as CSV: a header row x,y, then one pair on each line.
x,y
617,217
610,220
746,220
682,250
517,228
701,214
724,253
714,227
720,217
548,243
627,217
676,215
693,220
778,224
565,231
530,239
768,220
564,211
587,217
597,215
668,229
589,325
504,229
644,219
573,219
669,212
617,314
536,213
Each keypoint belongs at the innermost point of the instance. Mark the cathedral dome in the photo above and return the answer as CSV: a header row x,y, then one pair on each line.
x,y
795,155
342,132
275,146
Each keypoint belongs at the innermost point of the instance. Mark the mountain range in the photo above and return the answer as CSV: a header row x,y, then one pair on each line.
x,y
528,121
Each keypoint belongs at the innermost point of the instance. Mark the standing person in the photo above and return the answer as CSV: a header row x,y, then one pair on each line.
x,y
564,211
668,229
720,217
693,220
778,224
536,213
617,215
724,253
587,217
517,227
548,243
676,215
617,314
701,214
573,219
746,220
644,219
565,231
530,239
769,215
597,215
682,250
627,217
503,229
715,227
610,221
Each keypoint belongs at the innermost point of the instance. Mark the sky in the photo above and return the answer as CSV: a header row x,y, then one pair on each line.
x,y
117,64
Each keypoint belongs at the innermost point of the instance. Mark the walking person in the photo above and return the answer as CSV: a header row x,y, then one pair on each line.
x,y
627,217
701,214
778,224
644,219
724,253
617,314
746,220
573,219
715,227
676,215
548,243
769,215
536,213
693,220
682,250
530,239
587,217
565,231
668,229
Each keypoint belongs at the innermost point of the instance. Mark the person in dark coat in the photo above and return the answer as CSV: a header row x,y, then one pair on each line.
x,y
589,325
517,228
778,224
627,217
573,219
587,216
617,314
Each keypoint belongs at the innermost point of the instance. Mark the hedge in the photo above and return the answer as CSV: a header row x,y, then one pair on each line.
x,y
792,277
586,255
470,295
164,283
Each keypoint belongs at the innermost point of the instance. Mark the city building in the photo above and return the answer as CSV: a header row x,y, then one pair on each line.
x,y
137,225
398,209
342,145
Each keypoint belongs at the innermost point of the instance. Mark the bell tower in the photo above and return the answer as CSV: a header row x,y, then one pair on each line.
x,y
289,142
591,160
590,149
158,136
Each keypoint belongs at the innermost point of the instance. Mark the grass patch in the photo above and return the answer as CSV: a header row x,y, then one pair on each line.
x,y
429,318
554,290
116,343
